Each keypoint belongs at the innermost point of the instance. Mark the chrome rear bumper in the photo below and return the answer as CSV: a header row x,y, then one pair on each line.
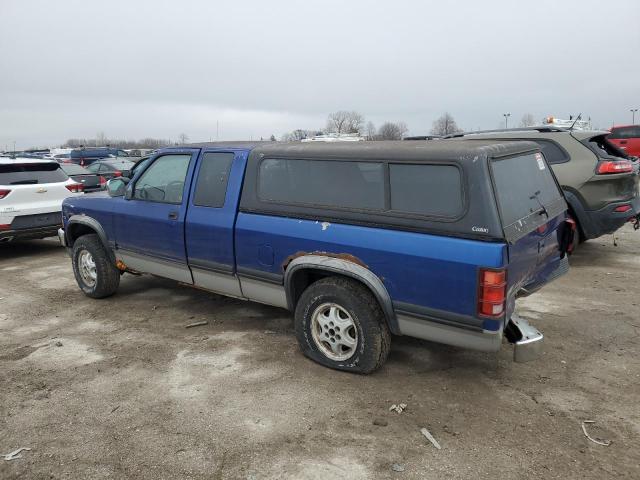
x,y
527,340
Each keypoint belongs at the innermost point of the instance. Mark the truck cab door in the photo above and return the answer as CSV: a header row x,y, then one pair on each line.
x,y
211,218
149,220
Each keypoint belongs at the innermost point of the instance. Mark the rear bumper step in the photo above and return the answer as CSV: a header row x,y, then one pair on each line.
x,y
527,340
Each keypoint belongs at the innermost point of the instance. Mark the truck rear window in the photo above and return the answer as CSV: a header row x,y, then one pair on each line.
x,y
524,185
31,173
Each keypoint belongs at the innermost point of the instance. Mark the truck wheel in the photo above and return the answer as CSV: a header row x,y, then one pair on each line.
x,y
97,277
340,325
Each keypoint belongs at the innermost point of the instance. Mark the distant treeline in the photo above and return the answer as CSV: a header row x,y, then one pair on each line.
x,y
117,143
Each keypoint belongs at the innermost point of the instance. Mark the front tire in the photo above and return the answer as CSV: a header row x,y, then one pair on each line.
x,y
340,325
96,275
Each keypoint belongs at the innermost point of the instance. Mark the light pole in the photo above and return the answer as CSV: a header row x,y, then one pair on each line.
x,y
633,115
506,119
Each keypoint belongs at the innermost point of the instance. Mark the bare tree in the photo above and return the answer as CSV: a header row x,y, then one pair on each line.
x,y
297,135
101,139
527,120
445,125
272,138
183,138
392,131
119,143
345,122
370,131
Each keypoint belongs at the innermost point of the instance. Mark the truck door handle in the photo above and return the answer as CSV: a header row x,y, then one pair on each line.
x,y
173,215
623,142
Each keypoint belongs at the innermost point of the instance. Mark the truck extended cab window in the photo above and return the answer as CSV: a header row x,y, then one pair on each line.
x,y
212,179
164,180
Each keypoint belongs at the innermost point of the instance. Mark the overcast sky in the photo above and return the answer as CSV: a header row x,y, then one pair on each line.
x,y
139,68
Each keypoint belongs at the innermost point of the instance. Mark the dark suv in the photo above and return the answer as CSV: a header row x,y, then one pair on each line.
x,y
600,181
86,156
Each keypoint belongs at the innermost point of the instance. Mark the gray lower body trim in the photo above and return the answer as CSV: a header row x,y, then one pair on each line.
x,y
155,266
449,335
223,283
263,292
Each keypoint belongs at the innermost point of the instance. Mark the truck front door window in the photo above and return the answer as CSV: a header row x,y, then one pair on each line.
x,y
163,181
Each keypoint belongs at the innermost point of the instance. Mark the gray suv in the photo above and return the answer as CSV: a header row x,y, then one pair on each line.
x,y
600,182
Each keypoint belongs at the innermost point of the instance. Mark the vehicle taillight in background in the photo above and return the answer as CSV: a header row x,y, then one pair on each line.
x,y
618,166
4,193
103,181
117,173
492,292
622,208
75,187
5,226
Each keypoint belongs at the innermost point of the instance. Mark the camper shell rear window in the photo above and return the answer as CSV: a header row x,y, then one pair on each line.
x,y
527,193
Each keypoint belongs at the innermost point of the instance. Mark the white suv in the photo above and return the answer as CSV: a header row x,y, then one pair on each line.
x,y
31,194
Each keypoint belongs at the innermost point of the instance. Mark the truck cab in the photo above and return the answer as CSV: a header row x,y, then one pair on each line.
x,y
360,240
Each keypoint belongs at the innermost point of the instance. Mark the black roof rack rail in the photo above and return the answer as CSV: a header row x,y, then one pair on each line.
x,y
509,130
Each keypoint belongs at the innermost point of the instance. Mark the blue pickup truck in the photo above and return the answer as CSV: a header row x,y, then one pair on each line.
x,y
360,240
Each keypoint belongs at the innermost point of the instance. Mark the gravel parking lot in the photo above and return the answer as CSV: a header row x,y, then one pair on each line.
x,y
119,388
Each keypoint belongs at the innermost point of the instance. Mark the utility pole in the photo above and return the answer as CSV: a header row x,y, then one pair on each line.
x,y
633,115
506,120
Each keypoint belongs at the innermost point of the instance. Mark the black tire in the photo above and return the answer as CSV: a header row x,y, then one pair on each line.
x,y
373,337
107,275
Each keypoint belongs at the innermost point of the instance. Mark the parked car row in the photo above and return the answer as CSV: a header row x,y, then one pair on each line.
x,y
360,240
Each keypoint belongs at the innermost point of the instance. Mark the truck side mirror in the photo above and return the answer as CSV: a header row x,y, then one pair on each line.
x,y
117,186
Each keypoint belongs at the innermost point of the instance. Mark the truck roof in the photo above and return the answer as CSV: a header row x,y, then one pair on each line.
x,y
397,150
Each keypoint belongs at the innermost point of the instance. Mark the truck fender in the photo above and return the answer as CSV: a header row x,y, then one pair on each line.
x,y
341,267
78,225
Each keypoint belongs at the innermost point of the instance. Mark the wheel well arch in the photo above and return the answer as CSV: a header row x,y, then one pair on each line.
x,y
80,225
305,270
77,230
576,210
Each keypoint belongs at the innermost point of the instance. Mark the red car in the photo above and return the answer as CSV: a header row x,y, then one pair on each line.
x,y
626,137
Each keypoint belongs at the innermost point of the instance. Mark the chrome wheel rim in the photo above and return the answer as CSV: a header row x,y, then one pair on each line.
x,y
334,331
87,268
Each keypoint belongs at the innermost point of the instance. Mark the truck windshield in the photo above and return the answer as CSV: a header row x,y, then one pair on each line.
x,y
30,173
524,185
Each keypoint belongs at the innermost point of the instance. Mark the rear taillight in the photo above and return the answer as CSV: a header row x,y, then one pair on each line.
x,y
117,173
75,187
4,193
5,226
618,166
492,292
622,208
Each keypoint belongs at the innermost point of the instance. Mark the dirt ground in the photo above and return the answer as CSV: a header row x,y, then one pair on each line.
x,y
118,388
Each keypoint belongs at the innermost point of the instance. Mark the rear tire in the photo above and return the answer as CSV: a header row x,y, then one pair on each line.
x,y
340,325
96,275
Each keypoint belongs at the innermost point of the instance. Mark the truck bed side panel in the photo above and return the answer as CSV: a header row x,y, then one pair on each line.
x,y
420,270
